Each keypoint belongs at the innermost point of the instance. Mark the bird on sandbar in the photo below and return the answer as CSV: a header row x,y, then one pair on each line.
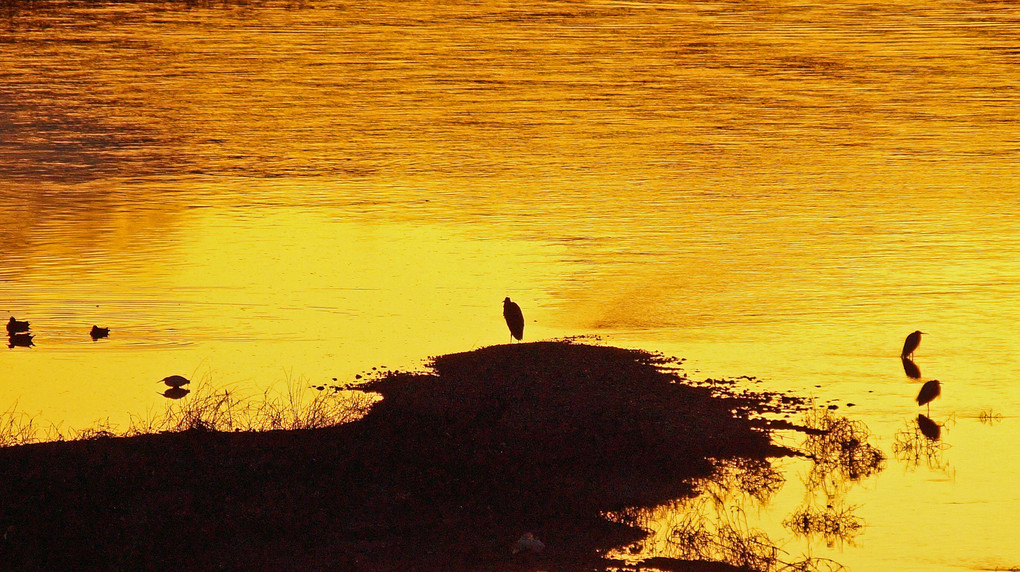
x,y
514,319
910,344
98,332
175,380
929,391
16,326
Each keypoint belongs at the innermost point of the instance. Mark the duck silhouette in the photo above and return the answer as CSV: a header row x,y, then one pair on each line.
x,y
98,332
16,326
175,381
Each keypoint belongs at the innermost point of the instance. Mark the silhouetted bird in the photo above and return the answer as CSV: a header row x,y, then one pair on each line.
x,y
14,326
911,343
514,319
929,428
22,339
910,368
175,380
98,332
929,391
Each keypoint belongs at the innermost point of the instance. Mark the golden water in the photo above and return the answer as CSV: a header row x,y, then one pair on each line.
x,y
252,193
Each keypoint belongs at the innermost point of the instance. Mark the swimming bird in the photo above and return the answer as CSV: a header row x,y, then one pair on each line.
x,y
22,339
98,332
929,391
15,326
911,343
175,380
514,319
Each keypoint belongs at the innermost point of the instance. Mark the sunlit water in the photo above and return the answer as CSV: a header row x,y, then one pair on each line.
x,y
262,194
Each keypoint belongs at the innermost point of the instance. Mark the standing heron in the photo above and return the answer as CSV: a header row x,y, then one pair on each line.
x,y
911,343
514,319
929,391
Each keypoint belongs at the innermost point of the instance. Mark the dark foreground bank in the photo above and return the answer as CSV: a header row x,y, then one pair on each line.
x,y
445,473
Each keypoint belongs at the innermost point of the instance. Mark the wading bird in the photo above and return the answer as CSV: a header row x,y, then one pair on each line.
x,y
911,343
15,326
514,319
929,391
175,380
98,332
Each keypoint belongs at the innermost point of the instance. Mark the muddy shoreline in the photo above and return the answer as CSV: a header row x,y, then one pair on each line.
x,y
445,473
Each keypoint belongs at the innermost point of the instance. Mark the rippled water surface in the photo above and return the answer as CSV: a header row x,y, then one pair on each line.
x,y
258,194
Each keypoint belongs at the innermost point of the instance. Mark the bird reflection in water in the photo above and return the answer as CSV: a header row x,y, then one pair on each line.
x,y
928,428
910,368
175,392
23,339
922,441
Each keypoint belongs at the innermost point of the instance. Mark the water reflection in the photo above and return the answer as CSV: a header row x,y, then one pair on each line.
x,y
841,456
921,441
715,525
23,339
176,392
910,368
929,428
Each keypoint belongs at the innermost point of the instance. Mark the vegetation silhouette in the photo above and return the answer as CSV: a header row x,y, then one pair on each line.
x,y
914,444
446,471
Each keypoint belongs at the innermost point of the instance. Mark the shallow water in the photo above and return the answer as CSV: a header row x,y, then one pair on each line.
x,y
251,193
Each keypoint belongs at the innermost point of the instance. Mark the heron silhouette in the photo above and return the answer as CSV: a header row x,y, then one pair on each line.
x,y
514,319
16,326
910,344
929,391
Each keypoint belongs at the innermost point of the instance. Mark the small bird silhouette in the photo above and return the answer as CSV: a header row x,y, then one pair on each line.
x,y
175,381
910,344
98,332
15,326
929,391
514,319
